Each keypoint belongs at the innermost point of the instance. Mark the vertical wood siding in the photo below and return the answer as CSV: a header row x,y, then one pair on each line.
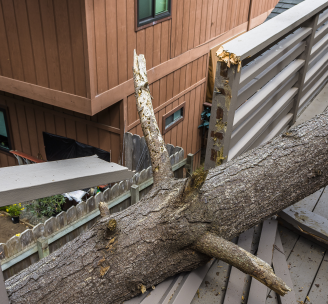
x,y
42,43
28,120
193,23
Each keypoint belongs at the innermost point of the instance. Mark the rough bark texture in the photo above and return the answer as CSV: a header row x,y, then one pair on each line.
x,y
215,246
154,238
159,156
125,253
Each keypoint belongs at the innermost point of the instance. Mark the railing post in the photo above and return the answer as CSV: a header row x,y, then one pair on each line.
x,y
43,247
190,163
222,113
134,194
3,292
306,55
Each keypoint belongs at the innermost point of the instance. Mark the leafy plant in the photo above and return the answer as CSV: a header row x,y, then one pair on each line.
x,y
15,209
47,206
205,117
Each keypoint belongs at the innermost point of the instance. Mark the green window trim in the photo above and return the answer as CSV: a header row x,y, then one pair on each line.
x,y
150,12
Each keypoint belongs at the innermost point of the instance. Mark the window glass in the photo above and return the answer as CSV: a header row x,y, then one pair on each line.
x,y
145,9
168,120
161,6
172,118
4,140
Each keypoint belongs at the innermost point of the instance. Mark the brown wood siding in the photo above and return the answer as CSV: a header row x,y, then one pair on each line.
x,y
28,119
42,43
193,23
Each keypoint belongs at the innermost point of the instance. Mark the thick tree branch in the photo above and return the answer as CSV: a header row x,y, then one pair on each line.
x,y
215,246
159,156
154,239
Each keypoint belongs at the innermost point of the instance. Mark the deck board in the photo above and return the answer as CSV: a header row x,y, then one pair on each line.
x,y
304,261
319,289
258,292
237,278
322,206
281,270
310,202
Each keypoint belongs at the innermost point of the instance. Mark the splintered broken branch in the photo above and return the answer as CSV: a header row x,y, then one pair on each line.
x,y
158,153
215,246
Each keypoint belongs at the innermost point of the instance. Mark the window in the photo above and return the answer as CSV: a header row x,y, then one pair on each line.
x,y
173,118
150,12
4,136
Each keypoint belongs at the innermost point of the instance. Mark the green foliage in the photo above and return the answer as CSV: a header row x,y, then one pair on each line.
x,y
205,116
15,209
47,206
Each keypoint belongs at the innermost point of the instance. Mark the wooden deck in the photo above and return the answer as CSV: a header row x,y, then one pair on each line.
x,y
307,263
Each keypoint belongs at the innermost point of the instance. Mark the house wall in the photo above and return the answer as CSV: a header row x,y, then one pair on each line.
x,y
29,118
84,50
194,28
43,42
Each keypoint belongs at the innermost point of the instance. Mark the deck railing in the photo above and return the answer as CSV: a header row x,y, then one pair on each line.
x,y
265,78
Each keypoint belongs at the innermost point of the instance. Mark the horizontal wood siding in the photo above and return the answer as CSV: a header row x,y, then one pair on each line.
x,y
28,119
42,43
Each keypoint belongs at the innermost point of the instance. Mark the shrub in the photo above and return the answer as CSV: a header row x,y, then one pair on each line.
x,y
47,206
15,209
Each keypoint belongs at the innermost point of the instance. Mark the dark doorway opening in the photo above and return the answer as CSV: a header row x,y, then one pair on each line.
x,y
59,148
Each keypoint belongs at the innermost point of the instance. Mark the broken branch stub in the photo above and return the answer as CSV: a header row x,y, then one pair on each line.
x,y
159,156
215,246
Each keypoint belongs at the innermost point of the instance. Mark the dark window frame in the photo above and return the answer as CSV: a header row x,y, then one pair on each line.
x,y
139,25
175,123
4,109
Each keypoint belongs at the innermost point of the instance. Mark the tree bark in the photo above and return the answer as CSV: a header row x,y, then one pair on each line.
x,y
164,233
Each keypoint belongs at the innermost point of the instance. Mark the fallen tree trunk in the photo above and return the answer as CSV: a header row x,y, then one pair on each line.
x,y
180,224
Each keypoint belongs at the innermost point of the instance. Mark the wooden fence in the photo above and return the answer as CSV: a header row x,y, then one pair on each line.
x,y
137,155
265,78
33,244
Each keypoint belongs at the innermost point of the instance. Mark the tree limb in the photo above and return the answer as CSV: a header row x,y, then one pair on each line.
x,y
215,246
158,153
